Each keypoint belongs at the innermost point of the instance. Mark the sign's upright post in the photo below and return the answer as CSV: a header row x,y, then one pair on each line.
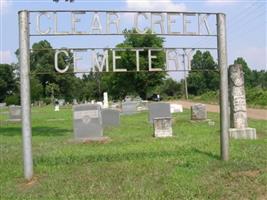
x,y
223,66
24,61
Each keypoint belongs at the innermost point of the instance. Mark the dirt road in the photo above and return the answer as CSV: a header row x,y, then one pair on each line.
x,y
252,113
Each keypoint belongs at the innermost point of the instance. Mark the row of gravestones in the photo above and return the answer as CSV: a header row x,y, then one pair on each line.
x,y
88,117
89,120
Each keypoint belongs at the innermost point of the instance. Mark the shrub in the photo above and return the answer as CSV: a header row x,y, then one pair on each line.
x,y
256,96
13,99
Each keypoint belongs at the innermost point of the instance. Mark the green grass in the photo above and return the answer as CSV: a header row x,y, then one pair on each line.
x,y
133,165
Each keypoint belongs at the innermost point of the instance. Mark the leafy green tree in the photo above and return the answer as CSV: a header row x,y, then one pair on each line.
x,y
52,90
94,84
136,83
8,82
36,89
169,88
42,68
207,78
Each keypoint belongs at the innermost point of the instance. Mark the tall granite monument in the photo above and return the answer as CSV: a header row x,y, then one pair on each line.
x,y
238,115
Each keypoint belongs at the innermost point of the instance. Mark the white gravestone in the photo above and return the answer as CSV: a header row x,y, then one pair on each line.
x,y
163,127
56,108
100,103
105,100
176,108
238,108
75,102
87,122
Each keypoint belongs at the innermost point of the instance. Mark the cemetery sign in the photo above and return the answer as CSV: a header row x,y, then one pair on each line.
x,y
102,22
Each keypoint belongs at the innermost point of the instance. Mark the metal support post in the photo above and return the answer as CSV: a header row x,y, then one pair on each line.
x,y
24,61
223,66
185,79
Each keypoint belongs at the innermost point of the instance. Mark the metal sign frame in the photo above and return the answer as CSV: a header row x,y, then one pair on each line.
x,y
24,61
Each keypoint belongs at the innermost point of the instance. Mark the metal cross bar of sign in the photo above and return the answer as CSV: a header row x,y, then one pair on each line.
x,y
100,22
103,22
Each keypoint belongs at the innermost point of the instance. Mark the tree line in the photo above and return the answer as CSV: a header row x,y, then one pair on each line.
x,y
48,85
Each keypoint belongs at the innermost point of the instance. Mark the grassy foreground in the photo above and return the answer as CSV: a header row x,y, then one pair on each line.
x,y
133,165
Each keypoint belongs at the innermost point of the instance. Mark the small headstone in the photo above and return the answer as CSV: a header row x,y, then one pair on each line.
x,y
2,105
100,103
105,100
115,105
110,117
176,108
210,122
238,108
142,106
198,112
92,101
162,127
61,102
129,107
137,98
158,97
159,110
56,108
14,113
75,102
127,99
87,122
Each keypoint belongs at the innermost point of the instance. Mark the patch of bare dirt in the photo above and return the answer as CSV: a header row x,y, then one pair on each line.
x,y
252,112
249,173
28,184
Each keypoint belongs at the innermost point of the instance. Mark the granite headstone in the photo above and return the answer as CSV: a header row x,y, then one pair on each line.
x,y
162,127
129,107
87,121
158,110
14,113
198,112
110,117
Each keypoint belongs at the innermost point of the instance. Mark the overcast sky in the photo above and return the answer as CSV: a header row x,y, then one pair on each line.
x,y
246,25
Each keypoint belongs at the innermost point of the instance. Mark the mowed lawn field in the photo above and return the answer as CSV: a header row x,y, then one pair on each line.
x,y
133,164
